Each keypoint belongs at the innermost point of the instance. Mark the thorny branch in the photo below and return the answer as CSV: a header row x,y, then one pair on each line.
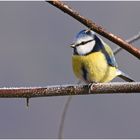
x,y
64,90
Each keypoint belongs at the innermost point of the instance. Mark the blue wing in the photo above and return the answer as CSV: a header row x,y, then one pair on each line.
x,y
109,55
102,46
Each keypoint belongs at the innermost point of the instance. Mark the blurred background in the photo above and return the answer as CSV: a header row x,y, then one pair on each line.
x,y
34,51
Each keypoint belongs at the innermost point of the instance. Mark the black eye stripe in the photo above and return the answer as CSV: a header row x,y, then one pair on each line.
x,y
84,42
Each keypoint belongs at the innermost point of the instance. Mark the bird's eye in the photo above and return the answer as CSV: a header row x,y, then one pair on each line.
x,y
82,43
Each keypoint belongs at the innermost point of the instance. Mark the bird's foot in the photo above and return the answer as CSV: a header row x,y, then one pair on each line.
x,y
90,86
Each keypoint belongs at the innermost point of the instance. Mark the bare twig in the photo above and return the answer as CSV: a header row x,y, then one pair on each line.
x,y
64,111
131,40
97,28
104,88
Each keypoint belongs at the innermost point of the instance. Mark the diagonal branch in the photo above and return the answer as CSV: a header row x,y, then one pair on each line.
x,y
97,28
131,40
104,88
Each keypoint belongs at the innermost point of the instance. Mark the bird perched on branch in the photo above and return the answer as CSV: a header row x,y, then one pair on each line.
x,y
93,60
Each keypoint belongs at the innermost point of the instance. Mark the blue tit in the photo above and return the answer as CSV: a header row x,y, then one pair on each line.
x,y
93,60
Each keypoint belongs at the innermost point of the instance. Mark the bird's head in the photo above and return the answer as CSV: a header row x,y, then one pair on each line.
x,y
84,43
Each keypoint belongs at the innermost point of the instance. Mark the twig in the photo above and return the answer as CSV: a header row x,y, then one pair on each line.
x,y
97,28
100,88
131,40
64,111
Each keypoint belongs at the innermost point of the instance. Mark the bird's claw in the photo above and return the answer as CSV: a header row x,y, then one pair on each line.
x,y
90,86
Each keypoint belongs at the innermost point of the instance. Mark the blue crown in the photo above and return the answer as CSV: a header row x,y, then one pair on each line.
x,y
84,33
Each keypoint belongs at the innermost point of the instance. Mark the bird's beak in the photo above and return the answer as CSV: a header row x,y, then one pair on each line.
x,y
73,45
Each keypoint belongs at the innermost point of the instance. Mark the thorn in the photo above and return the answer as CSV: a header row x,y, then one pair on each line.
x,y
27,102
88,30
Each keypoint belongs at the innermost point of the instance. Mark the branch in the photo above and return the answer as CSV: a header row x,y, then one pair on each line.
x,y
100,88
131,40
63,117
97,28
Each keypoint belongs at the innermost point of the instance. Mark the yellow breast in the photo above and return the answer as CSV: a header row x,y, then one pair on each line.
x,y
93,68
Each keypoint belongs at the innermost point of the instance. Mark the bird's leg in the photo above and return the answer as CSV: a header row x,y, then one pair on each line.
x,y
90,86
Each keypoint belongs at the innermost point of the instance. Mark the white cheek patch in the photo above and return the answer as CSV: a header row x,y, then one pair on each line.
x,y
86,48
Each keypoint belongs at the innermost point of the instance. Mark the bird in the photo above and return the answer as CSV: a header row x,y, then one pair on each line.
x,y
93,60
